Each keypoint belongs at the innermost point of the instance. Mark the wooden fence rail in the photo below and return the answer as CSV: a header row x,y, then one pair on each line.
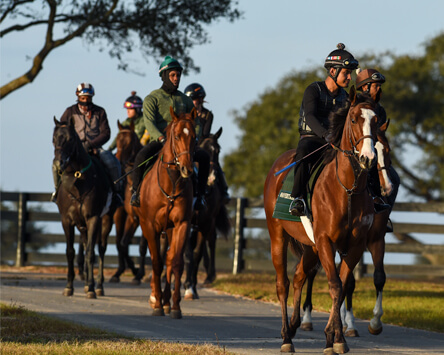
x,y
17,211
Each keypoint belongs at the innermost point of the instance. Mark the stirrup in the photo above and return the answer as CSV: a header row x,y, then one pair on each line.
x,y
379,205
389,228
298,207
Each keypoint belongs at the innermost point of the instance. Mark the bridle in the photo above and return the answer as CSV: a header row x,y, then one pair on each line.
x,y
175,162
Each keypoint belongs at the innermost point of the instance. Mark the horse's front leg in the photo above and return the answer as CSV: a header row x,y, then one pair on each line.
x,y
155,298
119,222
143,247
175,259
107,223
211,271
335,341
376,248
189,262
70,254
93,226
347,316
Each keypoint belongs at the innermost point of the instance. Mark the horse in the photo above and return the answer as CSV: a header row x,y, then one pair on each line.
x,y
375,245
166,201
84,201
126,217
207,222
342,215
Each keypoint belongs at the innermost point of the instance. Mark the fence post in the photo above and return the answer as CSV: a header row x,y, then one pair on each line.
x,y
21,229
238,262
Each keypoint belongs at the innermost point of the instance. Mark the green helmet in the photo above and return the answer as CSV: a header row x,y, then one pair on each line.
x,y
169,63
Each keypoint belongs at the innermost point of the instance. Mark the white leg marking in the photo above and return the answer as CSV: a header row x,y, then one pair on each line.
x,y
367,147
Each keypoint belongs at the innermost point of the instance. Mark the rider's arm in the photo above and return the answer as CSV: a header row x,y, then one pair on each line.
x,y
150,112
105,131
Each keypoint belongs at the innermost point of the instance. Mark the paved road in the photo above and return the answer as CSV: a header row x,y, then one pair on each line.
x,y
241,326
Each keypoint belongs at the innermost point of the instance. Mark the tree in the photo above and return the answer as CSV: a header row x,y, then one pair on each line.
x,y
412,96
158,27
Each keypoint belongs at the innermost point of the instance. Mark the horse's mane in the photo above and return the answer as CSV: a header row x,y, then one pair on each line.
x,y
337,120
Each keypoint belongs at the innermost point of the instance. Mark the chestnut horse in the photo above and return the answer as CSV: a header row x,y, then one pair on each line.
x,y
84,201
166,201
342,214
375,245
206,224
126,217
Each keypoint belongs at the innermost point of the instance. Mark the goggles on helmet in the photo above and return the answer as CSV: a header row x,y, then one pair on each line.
x,y
128,104
378,77
86,91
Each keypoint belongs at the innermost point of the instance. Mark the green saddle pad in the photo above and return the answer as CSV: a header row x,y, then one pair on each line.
x,y
284,199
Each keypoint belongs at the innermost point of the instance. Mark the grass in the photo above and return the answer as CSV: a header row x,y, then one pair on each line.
x,y
27,332
407,303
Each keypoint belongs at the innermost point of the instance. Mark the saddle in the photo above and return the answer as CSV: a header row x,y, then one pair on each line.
x,y
282,206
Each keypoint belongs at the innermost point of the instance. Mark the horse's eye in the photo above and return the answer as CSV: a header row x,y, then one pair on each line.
x,y
176,138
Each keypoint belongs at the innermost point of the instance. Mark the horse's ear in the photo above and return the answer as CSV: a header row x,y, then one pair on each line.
x,y
352,95
218,133
173,114
119,125
57,123
384,127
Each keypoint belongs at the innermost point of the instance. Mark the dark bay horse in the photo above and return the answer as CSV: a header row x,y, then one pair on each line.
x,y
375,245
126,217
84,201
342,215
166,201
207,223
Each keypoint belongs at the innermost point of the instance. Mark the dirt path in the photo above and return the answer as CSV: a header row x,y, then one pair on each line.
x,y
239,325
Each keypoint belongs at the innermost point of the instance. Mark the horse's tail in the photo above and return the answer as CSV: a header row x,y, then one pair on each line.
x,y
223,223
296,247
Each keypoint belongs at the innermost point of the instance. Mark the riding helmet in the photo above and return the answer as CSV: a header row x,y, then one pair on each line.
x,y
340,58
368,76
195,91
133,101
169,63
85,89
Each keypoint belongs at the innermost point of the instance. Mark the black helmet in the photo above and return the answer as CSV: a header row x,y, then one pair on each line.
x,y
195,90
341,59
133,101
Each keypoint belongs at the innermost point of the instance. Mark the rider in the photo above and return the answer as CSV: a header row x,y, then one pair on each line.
x,y
156,117
370,81
320,98
197,93
91,124
133,105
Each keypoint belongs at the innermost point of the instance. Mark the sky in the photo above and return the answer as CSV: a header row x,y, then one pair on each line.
x,y
243,60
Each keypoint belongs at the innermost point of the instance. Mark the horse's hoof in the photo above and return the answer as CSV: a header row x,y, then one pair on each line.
x,y
374,331
100,292
308,327
68,291
91,294
135,282
167,309
114,279
329,351
341,348
176,314
287,348
189,294
352,333
158,312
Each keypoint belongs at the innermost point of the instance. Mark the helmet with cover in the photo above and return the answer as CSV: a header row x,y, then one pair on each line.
x,y
368,76
195,91
341,59
133,101
85,89
169,63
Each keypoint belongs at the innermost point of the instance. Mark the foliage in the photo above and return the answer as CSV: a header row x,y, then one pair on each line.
x,y
155,27
413,96
27,332
414,304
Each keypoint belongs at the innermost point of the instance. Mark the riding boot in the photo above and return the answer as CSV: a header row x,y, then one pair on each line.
x,y
223,185
375,190
135,197
298,207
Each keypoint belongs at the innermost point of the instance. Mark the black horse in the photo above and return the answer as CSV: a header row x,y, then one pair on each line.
x,y
84,201
206,223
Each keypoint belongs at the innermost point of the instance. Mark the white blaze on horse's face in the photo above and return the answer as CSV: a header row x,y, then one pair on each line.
x,y
186,131
367,145
386,186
